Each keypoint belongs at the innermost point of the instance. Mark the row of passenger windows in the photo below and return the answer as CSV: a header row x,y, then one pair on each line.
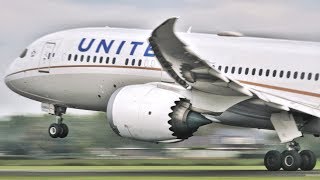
x,y
94,59
268,72
133,62
101,59
233,70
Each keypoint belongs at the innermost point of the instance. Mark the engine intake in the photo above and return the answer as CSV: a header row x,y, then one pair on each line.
x,y
148,113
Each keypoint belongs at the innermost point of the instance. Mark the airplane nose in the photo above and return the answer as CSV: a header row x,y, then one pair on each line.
x,y
7,80
15,74
8,73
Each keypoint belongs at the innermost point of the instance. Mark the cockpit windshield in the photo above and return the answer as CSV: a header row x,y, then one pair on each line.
x,y
24,53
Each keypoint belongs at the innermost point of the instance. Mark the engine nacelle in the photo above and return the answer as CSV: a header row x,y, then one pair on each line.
x,y
148,113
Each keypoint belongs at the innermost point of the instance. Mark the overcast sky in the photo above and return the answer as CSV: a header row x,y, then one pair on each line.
x,y
24,21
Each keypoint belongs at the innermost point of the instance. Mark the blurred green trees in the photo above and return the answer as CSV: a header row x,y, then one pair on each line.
x,y
28,135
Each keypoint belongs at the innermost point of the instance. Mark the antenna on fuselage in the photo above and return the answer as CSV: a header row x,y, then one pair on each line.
x,y
230,34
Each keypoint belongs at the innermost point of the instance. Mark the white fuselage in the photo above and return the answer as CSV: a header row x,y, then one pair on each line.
x,y
81,68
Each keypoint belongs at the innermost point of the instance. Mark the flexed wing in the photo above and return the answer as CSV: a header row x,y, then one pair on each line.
x,y
192,72
186,68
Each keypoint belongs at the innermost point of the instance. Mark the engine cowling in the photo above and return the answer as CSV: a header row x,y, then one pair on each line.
x,y
148,113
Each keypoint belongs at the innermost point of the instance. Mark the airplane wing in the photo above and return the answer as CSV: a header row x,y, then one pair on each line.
x,y
186,68
192,72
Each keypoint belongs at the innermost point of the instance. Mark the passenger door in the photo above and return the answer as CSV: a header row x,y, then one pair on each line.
x,y
46,56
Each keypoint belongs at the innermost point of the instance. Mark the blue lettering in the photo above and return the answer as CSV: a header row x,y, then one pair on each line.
x,y
82,49
106,47
134,47
149,52
120,47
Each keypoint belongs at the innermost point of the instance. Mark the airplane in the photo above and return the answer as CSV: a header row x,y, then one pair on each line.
x,y
160,86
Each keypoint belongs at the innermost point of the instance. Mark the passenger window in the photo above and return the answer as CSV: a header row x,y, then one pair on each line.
x,y
281,74
107,61
247,71
240,70
88,58
295,75
260,72
316,77
226,69
75,57
24,53
53,54
253,71
274,74
133,62
219,68
288,74
233,69
69,57
127,61
114,60
267,72
94,59
140,62
309,76
302,75
81,58
49,55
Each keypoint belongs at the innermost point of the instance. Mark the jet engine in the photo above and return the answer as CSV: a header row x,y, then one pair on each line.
x,y
148,113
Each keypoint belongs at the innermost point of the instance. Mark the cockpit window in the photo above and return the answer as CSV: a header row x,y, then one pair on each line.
x,y
24,53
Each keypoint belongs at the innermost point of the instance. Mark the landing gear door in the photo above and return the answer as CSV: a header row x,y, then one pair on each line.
x,y
46,56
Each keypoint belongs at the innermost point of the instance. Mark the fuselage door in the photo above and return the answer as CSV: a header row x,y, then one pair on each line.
x,y
46,56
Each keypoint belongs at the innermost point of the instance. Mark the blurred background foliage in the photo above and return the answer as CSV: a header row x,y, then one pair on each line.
x,y
90,136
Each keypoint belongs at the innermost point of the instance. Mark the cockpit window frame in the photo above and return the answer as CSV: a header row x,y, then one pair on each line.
x,y
24,53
